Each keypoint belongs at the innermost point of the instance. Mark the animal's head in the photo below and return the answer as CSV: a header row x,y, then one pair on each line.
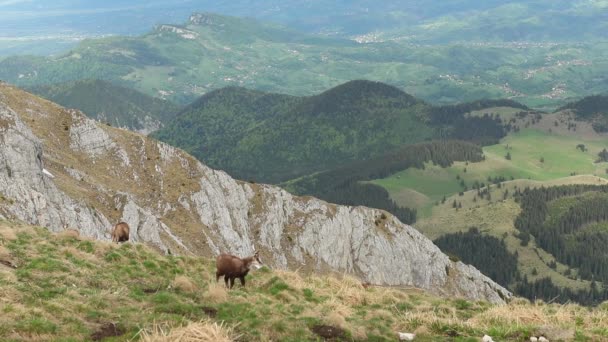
x,y
256,257
255,260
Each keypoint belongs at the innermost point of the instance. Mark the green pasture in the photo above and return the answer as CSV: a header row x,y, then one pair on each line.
x,y
559,154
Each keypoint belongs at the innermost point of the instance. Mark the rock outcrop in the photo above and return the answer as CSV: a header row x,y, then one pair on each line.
x,y
102,175
203,19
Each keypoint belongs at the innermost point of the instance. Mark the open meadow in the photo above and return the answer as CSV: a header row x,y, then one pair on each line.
x,y
534,154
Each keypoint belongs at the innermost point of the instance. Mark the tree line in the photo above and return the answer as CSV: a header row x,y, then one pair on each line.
x,y
591,108
546,290
566,233
491,256
487,253
344,185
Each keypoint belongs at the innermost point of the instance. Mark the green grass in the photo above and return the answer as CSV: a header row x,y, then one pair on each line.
x,y
561,158
527,147
64,301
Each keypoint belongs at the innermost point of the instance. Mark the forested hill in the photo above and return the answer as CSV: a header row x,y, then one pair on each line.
x,y
274,138
110,103
271,137
593,109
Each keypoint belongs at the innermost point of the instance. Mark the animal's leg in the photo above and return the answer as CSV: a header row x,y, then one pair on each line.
x,y
242,280
226,280
231,282
217,276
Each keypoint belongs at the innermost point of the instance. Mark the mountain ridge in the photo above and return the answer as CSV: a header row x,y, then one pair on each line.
x,y
101,174
182,62
106,102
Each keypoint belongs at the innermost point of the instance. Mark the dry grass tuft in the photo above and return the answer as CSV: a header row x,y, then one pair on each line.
x,y
216,293
8,234
422,330
75,252
539,314
286,297
203,331
382,314
5,254
69,234
8,294
103,247
184,284
293,278
359,333
337,306
337,320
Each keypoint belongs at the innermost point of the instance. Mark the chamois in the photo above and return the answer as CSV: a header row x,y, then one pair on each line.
x,y
232,267
120,233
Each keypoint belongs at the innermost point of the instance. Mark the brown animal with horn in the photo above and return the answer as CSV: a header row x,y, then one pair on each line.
x,y
232,267
120,232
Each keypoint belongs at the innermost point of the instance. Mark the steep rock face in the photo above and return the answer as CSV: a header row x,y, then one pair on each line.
x,y
30,195
101,175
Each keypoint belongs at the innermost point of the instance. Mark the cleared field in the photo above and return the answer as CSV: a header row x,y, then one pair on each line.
x,y
504,113
496,218
535,154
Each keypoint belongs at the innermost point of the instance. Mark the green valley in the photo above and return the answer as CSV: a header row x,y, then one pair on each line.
x,y
182,62
548,151
541,152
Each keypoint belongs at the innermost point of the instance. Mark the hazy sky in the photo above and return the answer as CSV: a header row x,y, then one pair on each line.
x,y
23,17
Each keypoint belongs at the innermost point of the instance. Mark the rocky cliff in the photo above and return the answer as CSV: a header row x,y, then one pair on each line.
x,y
60,169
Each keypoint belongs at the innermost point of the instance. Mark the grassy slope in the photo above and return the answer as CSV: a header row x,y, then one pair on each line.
x,y
67,288
556,145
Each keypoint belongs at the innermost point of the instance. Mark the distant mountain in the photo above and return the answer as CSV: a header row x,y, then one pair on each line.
x,y
440,21
507,20
271,137
511,21
110,103
210,51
